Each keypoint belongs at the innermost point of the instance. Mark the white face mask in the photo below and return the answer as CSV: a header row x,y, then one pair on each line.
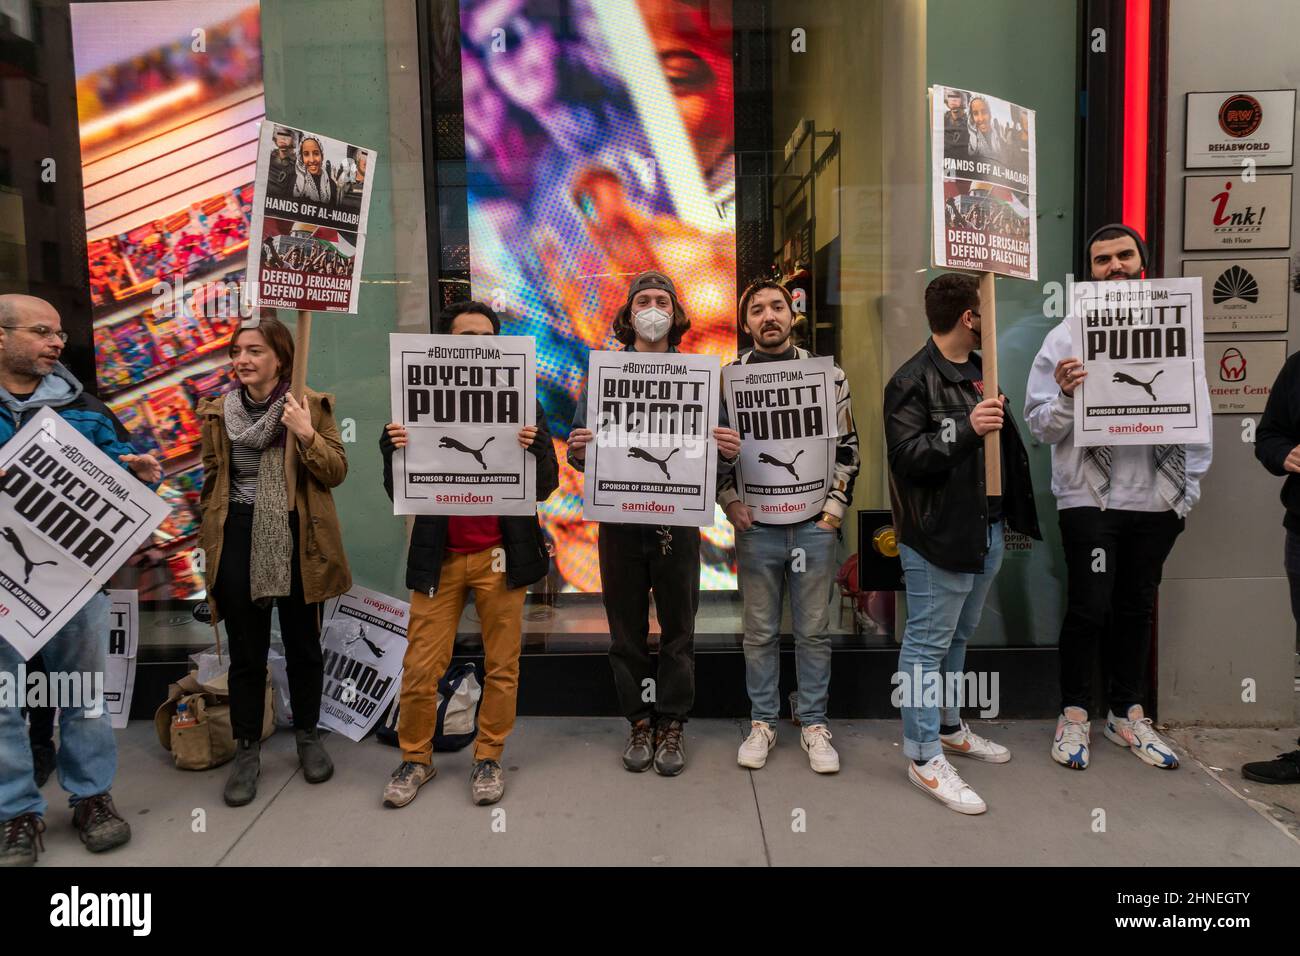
x,y
652,324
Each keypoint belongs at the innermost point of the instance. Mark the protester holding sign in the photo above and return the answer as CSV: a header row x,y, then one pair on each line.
x,y
257,552
1121,507
495,557
787,500
949,530
31,378
636,559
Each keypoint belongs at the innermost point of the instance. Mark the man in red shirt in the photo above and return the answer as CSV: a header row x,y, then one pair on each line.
x,y
451,555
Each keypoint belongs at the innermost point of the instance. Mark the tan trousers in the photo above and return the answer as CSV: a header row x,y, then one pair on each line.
x,y
430,641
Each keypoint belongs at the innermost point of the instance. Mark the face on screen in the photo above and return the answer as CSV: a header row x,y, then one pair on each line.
x,y
574,196
694,51
520,54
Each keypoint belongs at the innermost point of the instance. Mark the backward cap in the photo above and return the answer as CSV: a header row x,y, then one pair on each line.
x,y
651,279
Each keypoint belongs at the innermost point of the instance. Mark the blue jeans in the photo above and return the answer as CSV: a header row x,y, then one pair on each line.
x,y
87,748
943,610
768,558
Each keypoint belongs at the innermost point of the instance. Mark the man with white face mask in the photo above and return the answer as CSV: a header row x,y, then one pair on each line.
x,y
636,559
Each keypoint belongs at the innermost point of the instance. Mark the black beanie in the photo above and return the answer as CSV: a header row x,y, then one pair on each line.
x,y
1128,230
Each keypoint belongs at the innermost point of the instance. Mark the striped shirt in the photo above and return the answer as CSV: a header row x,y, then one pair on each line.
x,y
847,458
245,460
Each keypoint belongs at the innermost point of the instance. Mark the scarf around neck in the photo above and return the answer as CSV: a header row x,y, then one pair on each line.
x,y
270,575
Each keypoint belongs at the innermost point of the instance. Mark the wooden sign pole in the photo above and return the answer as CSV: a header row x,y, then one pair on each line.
x,y
297,382
989,353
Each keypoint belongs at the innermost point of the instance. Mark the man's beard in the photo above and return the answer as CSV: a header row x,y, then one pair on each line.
x,y
28,366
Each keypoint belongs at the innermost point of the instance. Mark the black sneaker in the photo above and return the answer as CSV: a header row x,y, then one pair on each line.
x,y
20,838
99,824
44,762
670,753
640,750
1285,769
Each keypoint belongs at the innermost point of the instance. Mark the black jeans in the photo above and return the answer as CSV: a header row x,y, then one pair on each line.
x,y
632,564
1114,559
1291,561
248,632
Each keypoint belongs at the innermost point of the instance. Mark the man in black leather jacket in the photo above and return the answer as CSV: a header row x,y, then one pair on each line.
x,y
949,529
451,555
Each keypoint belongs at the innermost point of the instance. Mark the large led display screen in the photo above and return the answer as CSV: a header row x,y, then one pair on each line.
x,y
599,142
169,100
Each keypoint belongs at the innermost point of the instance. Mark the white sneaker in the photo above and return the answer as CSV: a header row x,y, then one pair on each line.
x,y
753,752
967,743
1073,736
1135,733
939,780
816,740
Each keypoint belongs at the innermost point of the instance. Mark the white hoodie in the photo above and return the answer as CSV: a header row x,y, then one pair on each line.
x,y
1049,413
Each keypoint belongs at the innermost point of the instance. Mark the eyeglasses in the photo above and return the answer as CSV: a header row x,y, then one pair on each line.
x,y
44,331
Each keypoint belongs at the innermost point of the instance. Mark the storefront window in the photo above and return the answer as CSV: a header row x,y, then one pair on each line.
x,y
534,154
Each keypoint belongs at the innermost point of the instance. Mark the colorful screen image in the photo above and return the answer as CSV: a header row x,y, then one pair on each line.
x,y
137,426
168,129
599,140
181,491
171,416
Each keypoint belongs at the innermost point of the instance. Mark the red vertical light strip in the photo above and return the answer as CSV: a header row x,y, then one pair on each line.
x,y
1137,81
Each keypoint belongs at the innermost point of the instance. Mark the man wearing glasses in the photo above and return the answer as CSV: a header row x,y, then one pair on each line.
x,y
32,377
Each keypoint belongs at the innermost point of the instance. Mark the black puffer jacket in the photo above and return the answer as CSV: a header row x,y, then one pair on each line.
x,y
936,487
521,535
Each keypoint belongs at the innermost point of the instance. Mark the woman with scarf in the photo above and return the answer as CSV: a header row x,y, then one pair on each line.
x,y
312,181
258,551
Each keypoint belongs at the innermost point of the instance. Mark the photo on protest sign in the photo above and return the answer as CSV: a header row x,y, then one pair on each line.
x,y
463,400
69,517
1142,342
363,640
652,459
785,413
123,645
984,204
310,209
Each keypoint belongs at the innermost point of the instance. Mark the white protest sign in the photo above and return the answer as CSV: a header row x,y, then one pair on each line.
x,y
463,400
1142,344
785,413
70,516
652,459
123,645
363,640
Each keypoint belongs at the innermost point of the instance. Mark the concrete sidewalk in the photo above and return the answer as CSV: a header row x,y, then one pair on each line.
x,y
569,802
